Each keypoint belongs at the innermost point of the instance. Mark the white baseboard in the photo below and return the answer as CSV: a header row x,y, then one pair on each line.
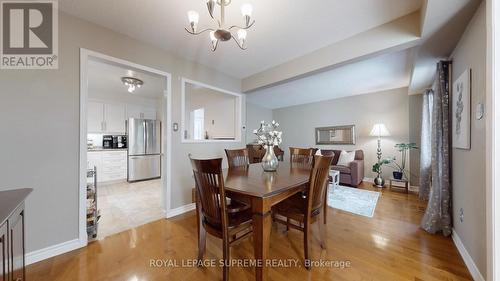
x,y
181,210
53,251
414,188
372,179
368,179
469,262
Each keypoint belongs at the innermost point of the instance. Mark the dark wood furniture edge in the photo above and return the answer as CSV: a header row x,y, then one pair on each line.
x,y
10,200
270,194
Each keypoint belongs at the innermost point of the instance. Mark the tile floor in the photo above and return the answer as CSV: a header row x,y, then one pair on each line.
x,y
126,205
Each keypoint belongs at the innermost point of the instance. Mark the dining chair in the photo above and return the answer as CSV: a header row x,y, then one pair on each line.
x,y
226,219
237,157
301,211
326,152
257,151
301,156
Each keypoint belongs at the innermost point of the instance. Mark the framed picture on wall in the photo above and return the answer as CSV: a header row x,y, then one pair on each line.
x,y
461,104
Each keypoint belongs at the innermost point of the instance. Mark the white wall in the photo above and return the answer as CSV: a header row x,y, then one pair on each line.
x,y
39,111
255,114
389,107
220,111
469,166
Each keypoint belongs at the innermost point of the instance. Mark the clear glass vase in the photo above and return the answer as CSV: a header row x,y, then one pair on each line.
x,y
269,161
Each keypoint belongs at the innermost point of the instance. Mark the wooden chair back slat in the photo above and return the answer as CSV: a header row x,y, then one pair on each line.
x,y
301,156
237,157
210,187
318,180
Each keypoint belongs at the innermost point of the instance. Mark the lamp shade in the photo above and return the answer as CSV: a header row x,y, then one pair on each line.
x,y
379,130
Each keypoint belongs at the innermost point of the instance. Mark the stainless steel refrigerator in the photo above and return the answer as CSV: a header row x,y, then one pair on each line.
x,y
144,149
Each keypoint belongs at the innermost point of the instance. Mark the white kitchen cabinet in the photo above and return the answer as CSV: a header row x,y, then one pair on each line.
x,y
106,118
141,112
95,117
114,165
149,113
111,165
133,111
114,118
94,159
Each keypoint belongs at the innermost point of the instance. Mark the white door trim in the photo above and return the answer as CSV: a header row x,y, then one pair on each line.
x,y
493,140
85,54
239,117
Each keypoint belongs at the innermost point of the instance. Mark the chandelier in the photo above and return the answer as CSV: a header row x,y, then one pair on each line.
x,y
132,83
222,32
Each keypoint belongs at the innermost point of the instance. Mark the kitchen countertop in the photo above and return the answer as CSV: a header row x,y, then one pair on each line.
x,y
96,149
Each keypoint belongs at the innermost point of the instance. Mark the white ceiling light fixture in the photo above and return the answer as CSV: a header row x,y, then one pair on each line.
x,y
132,83
222,32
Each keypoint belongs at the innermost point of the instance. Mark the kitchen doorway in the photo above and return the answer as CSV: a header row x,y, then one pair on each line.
x,y
125,144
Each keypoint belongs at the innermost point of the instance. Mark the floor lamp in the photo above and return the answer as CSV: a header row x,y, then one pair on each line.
x,y
379,130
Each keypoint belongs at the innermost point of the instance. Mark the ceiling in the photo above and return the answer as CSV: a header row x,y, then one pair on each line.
x,y
408,63
104,79
297,53
283,30
445,21
383,72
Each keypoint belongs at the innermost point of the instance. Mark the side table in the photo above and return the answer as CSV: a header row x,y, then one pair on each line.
x,y
398,185
335,178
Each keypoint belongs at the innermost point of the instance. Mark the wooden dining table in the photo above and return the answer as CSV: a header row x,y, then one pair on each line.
x,y
263,190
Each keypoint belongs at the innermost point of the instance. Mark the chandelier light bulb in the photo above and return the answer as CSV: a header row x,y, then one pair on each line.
x,y
193,17
222,32
242,35
246,10
212,36
214,40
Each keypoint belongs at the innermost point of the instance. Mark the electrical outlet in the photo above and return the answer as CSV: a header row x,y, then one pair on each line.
x,y
461,215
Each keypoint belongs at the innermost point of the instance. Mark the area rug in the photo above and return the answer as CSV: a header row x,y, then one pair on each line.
x,y
357,201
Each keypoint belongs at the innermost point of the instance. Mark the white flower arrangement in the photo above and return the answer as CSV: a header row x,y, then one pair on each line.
x,y
268,134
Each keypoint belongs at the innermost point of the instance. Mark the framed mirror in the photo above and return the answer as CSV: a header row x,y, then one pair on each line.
x,y
336,135
210,114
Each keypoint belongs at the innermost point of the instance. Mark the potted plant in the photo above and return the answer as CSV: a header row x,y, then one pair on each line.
x,y
377,167
403,148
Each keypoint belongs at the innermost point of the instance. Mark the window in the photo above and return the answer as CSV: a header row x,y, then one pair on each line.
x,y
198,123
210,114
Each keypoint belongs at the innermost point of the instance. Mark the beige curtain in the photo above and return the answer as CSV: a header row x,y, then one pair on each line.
x,y
425,146
437,216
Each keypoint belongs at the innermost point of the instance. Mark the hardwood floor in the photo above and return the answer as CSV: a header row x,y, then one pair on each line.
x,y
389,246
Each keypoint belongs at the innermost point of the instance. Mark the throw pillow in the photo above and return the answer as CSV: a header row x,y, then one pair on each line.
x,y
346,158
